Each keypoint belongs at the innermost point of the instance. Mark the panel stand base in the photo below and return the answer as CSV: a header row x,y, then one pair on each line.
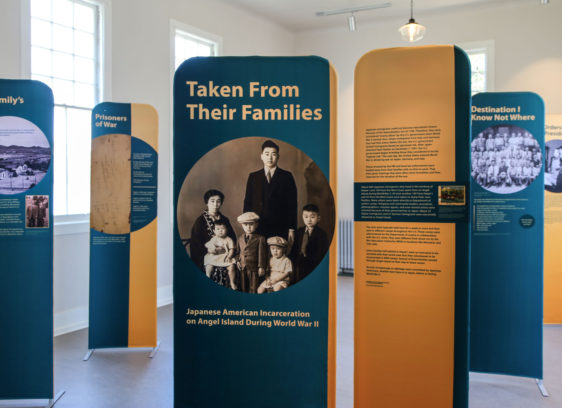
x,y
53,401
151,355
88,355
542,388
154,350
32,402
345,272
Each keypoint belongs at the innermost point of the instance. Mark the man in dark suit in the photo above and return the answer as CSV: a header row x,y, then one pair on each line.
x,y
271,192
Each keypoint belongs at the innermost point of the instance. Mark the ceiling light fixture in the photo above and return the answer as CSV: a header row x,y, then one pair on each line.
x,y
544,2
412,31
351,22
351,11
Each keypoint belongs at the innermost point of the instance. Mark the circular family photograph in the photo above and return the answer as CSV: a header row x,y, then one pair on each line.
x,y
553,166
25,155
256,215
505,159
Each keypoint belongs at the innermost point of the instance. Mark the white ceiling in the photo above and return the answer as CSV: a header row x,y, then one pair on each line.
x,y
298,15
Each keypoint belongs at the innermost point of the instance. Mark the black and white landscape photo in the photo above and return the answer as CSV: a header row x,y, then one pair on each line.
x,y
25,155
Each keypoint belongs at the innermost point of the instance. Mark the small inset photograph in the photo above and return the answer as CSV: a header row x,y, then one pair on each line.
x,y
452,195
256,215
37,211
505,159
25,155
553,166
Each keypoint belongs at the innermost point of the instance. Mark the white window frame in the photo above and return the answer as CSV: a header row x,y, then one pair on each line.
x,y
74,223
487,47
199,35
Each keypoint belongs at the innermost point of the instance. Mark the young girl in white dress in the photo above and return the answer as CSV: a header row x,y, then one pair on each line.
x,y
220,253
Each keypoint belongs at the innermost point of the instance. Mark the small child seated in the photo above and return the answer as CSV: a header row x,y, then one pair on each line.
x,y
311,243
220,252
280,267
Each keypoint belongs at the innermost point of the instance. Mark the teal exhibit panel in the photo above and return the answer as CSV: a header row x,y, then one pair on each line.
x,y
123,226
507,234
254,260
26,240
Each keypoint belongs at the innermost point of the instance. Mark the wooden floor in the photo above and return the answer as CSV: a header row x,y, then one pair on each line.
x,y
127,378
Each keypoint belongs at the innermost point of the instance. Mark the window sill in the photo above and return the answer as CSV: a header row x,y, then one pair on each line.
x,y
72,224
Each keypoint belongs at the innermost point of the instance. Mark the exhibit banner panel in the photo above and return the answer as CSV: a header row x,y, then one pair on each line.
x,y
254,238
26,240
553,220
123,221
412,227
507,234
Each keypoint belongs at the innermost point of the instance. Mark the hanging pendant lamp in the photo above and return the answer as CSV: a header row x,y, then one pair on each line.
x,y
412,31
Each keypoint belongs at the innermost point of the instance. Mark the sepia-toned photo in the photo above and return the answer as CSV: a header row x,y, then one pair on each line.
x,y
452,195
110,208
37,211
256,215
25,155
505,159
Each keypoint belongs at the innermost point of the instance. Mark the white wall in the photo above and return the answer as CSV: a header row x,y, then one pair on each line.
x,y
10,21
139,72
528,57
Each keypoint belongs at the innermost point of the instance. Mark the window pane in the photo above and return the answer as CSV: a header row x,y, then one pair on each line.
x,y
41,9
84,95
64,92
41,33
478,62
62,12
84,18
84,44
478,65
41,61
179,47
187,46
63,66
79,146
84,70
203,50
478,82
62,39
60,161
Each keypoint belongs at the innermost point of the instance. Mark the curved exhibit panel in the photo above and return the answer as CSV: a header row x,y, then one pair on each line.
x,y
506,313
123,224
26,240
254,257
411,227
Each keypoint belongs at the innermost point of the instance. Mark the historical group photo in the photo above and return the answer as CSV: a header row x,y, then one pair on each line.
x,y
256,215
505,159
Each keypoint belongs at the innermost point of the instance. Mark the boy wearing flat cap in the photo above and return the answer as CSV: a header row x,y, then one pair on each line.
x,y
280,267
252,253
